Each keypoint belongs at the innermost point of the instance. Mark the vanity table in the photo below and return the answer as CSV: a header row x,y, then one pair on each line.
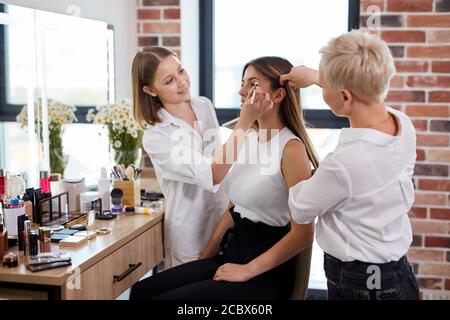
x,y
102,269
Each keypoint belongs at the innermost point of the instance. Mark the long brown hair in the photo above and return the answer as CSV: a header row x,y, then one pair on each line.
x,y
291,111
145,63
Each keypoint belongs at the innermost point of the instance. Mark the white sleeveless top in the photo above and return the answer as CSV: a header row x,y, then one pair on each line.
x,y
255,183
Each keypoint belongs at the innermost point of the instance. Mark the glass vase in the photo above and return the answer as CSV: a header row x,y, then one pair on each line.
x,y
128,157
58,160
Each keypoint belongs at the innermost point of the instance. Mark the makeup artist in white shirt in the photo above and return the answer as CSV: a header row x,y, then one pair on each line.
x,y
183,142
362,191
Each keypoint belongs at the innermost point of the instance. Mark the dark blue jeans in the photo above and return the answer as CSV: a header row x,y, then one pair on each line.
x,y
358,280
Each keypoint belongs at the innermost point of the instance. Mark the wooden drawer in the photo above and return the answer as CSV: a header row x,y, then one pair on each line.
x,y
101,281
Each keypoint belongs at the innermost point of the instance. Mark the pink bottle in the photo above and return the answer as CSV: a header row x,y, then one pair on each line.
x,y
2,184
45,182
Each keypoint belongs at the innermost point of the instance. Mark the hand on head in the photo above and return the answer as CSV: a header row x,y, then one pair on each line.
x,y
300,77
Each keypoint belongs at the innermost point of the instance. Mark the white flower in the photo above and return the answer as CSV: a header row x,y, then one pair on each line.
x,y
117,144
119,120
90,115
58,113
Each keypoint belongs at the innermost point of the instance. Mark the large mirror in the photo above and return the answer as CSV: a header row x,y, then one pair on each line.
x,y
53,67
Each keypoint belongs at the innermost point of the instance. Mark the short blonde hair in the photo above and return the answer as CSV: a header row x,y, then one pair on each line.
x,y
359,62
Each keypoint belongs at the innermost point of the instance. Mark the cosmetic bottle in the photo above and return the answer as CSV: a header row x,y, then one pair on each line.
x,y
10,260
144,210
45,245
117,201
104,189
55,183
45,183
26,237
14,203
21,232
34,243
90,226
28,205
2,184
157,206
56,188
129,211
3,234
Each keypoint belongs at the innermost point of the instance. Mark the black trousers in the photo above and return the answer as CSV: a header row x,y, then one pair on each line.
x,y
241,244
358,280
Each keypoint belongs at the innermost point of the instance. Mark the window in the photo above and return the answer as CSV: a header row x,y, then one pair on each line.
x,y
15,153
17,45
233,32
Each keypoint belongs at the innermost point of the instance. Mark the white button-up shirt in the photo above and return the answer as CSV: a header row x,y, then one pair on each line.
x,y
182,161
362,193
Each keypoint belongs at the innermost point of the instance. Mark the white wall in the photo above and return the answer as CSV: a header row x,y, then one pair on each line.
x,y
122,14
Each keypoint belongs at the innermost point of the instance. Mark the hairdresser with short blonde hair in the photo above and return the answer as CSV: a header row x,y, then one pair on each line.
x,y
362,191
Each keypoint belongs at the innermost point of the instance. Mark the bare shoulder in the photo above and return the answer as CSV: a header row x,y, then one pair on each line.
x,y
294,147
295,164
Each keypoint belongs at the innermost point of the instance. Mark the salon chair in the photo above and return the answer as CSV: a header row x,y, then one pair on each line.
x,y
301,277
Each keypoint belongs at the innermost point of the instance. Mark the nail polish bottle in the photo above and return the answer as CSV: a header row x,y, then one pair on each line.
x,y
44,240
2,184
45,183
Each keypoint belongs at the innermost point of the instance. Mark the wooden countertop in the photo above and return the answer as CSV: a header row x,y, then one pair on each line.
x,y
124,229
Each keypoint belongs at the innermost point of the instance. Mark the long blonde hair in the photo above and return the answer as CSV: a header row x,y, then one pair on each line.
x,y
145,63
291,111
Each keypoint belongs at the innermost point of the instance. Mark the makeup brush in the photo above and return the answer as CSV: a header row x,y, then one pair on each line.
x,y
254,92
129,172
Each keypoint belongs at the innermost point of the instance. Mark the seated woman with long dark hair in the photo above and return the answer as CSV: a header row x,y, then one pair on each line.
x,y
250,255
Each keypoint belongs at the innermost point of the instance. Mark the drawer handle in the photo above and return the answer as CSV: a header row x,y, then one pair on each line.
x,y
131,268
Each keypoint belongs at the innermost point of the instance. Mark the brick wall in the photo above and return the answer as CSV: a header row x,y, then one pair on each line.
x,y
159,23
418,33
